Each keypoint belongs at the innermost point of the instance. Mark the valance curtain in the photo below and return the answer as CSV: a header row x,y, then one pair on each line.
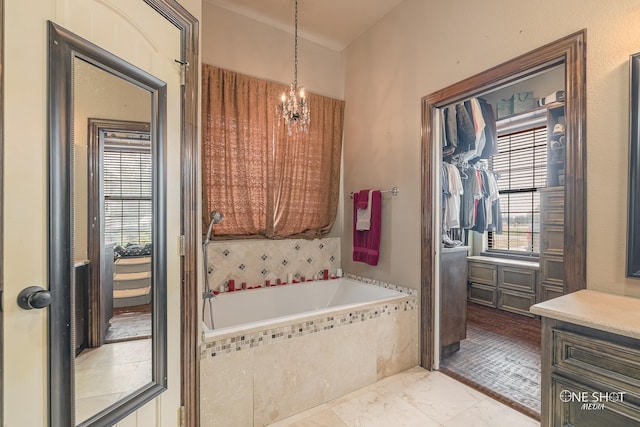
x,y
266,182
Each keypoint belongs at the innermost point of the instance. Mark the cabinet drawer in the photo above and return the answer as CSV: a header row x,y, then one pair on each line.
x,y
483,273
574,404
552,217
552,240
548,292
552,270
483,294
516,302
552,198
598,360
518,279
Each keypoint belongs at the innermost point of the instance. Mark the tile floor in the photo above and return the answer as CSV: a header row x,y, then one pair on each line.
x,y
415,397
103,375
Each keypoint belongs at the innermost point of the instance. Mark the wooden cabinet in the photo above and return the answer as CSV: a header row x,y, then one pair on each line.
x,y
590,378
453,298
551,243
503,283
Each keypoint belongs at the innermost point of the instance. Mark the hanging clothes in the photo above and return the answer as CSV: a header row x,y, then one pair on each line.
x,y
491,132
453,201
465,130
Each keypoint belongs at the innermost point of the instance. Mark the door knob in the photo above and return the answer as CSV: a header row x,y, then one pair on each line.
x,y
34,297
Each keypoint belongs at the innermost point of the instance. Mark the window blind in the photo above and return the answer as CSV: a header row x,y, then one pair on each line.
x,y
521,164
127,184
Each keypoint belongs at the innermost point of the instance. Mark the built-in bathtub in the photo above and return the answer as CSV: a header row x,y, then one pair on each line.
x,y
280,350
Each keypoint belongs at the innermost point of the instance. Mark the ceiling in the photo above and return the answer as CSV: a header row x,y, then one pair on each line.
x,y
330,23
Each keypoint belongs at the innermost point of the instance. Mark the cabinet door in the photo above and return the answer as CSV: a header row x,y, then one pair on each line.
x,y
576,404
552,271
516,302
518,279
483,294
552,240
480,272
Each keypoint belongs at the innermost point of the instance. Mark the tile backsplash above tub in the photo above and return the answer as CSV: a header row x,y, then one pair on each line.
x,y
255,261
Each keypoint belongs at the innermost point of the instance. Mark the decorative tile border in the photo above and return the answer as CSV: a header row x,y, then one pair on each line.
x,y
254,339
408,291
255,261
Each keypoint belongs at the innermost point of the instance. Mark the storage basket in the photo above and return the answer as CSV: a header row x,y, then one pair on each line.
x,y
523,101
505,107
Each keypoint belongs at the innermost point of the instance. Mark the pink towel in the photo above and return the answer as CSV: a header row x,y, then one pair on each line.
x,y
366,243
362,199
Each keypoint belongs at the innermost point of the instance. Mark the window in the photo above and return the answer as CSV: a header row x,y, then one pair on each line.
x,y
521,164
127,188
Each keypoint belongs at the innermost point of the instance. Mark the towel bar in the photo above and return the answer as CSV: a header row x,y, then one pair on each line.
x,y
394,191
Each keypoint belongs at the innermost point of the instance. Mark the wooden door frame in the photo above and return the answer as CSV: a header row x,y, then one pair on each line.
x,y
572,51
96,332
190,231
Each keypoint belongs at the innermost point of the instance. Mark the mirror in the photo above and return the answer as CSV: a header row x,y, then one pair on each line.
x,y
106,234
633,221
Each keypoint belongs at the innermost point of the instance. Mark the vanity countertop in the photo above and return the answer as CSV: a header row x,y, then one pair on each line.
x,y
598,310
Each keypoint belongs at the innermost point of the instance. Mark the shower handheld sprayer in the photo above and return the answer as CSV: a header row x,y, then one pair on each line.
x,y
216,217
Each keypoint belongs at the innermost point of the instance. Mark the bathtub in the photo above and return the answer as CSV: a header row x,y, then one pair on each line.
x,y
276,351
262,308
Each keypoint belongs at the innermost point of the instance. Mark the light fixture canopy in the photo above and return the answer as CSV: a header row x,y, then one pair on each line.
x,y
293,107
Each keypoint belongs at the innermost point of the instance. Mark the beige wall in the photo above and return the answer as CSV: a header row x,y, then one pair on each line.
x,y
421,47
241,44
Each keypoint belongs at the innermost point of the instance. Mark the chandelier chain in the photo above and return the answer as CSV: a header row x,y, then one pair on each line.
x,y
295,46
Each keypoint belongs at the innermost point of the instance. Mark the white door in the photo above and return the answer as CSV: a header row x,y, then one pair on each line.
x,y
133,31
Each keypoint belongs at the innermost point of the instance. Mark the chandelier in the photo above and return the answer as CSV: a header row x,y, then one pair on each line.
x,y
293,108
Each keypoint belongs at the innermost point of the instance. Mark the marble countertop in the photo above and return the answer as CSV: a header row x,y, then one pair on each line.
x,y
504,261
598,310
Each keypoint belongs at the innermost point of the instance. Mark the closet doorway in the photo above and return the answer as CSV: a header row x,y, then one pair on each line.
x,y
477,286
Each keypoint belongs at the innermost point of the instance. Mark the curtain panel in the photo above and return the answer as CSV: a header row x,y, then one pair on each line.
x,y
266,182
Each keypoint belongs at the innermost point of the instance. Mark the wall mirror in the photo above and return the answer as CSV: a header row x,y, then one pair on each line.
x,y
107,243
633,226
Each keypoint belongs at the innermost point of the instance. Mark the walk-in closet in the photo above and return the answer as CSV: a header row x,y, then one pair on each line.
x,y
502,180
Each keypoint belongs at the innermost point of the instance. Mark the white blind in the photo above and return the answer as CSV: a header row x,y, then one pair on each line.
x,y
521,163
127,194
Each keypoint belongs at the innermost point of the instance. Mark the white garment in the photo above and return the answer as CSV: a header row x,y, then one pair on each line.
x,y
453,201
363,218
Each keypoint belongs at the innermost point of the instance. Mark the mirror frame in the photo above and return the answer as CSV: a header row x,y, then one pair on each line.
x,y
1,211
572,51
64,47
633,215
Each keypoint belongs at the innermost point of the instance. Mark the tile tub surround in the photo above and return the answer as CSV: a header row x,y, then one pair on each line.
x,y
254,381
255,261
